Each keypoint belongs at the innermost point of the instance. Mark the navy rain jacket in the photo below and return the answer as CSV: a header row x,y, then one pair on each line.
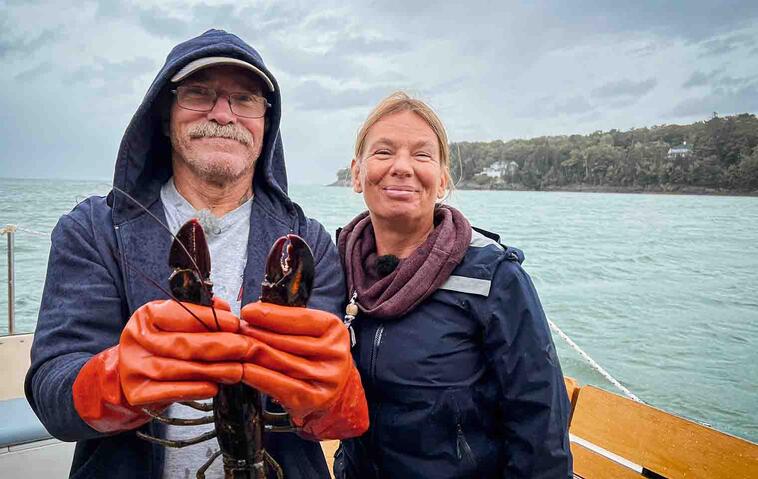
x,y
90,293
467,385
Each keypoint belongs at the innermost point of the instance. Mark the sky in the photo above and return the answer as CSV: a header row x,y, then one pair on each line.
x,y
73,73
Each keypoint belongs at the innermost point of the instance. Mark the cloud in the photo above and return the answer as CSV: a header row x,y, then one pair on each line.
x,y
648,49
732,82
625,88
550,106
269,19
296,40
408,9
311,95
717,79
23,47
444,86
299,62
573,106
722,100
325,21
112,10
699,78
691,20
309,49
34,72
358,44
723,45
114,76
160,23
250,22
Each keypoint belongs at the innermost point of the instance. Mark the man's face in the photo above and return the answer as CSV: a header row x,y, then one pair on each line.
x,y
201,140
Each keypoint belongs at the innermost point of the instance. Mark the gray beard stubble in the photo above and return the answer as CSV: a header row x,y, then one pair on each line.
x,y
220,174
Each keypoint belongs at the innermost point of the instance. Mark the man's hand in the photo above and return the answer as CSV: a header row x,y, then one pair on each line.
x,y
300,357
303,361
164,355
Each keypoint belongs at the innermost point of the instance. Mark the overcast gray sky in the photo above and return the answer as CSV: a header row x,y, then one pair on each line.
x,y
74,74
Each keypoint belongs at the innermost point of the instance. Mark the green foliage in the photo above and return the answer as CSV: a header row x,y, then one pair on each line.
x,y
722,154
343,176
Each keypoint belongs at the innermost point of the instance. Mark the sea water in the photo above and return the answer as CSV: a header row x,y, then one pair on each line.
x,y
660,290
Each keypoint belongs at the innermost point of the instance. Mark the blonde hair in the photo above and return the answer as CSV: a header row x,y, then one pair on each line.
x,y
400,101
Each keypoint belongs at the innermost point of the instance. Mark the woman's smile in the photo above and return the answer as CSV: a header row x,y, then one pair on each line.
x,y
401,193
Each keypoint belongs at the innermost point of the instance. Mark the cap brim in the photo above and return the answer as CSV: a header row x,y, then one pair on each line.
x,y
206,62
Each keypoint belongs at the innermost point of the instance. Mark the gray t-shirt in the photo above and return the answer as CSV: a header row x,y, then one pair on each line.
x,y
227,241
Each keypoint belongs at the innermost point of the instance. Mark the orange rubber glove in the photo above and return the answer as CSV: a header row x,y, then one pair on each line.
x,y
98,397
304,362
164,355
167,354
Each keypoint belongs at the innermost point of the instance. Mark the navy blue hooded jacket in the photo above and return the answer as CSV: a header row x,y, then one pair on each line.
x,y
467,385
90,293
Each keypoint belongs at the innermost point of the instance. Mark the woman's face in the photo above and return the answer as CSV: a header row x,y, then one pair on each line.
x,y
399,172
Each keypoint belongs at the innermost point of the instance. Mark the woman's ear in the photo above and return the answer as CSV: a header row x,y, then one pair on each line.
x,y
355,172
442,188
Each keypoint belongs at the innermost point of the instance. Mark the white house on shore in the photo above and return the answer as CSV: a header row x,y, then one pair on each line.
x,y
681,151
501,169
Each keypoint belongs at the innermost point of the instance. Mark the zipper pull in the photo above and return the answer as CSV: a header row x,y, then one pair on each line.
x,y
351,311
458,442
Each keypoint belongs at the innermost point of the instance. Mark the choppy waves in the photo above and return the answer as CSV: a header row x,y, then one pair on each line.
x,y
660,290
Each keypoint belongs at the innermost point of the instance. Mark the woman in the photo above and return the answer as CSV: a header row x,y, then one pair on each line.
x,y
450,339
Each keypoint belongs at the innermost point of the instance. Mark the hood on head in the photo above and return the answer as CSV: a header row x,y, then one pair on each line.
x,y
143,163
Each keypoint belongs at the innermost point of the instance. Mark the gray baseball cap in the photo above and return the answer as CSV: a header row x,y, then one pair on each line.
x,y
206,62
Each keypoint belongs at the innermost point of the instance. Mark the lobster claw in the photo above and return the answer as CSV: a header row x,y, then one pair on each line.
x,y
289,272
190,262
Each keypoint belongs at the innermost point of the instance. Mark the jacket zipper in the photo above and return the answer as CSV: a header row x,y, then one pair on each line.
x,y
377,404
463,449
375,351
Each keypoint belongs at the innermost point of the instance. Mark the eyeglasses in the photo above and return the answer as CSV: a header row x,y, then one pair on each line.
x,y
197,98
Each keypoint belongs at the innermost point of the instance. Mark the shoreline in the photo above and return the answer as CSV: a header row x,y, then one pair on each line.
x,y
583,188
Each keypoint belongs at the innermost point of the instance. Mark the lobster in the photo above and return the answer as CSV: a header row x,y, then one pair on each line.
x,y
239,416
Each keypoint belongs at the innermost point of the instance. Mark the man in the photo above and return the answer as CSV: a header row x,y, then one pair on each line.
x,y
108,342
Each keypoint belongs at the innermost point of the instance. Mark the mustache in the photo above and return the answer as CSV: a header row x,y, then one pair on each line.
x,y
214,130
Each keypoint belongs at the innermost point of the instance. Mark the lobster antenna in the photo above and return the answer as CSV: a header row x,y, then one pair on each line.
x,y
184,248
164,290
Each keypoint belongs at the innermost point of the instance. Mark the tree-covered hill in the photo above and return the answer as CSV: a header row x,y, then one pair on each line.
x,y
718,155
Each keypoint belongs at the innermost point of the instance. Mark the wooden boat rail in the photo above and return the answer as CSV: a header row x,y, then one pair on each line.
x,y
663,444
611,436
